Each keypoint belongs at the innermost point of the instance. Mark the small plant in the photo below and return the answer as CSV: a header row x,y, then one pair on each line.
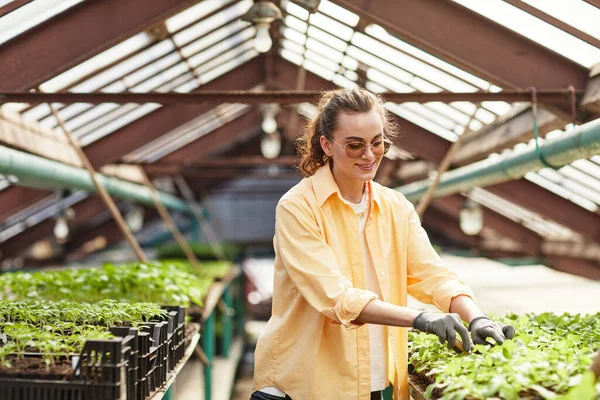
x,y
548,357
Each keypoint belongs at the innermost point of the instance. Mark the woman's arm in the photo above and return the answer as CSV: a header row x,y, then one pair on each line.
x,y
382,313
444,326
465,307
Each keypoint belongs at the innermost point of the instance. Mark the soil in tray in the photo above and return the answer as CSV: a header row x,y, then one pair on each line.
x,y
420,381
36,368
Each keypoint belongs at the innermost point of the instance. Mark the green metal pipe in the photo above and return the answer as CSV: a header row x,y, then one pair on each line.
x,y
582,142
42,173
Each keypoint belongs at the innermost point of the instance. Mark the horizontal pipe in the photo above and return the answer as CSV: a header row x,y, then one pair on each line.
x,y
558,96
582,142
42,173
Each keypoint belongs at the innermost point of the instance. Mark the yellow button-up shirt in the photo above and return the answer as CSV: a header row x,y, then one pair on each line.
x,y
310,349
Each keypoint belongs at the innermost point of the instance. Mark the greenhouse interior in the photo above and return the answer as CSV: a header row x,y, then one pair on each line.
x,y
181,180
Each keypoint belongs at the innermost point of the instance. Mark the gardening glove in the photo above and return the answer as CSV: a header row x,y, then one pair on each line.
x,y
482,327
444,326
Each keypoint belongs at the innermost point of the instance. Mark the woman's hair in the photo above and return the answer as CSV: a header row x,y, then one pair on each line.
x,y
331,104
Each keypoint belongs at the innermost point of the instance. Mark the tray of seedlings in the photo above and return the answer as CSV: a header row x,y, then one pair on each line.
x,y
102,351
549,358
161,282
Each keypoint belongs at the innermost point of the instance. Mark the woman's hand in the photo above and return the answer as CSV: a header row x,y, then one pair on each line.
x,y
445,327
482,327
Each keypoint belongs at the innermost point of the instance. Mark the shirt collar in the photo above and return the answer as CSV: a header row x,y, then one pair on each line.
x,y
324,186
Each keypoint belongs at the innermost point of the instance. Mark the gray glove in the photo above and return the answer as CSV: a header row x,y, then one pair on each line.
x,y
444,326
482,327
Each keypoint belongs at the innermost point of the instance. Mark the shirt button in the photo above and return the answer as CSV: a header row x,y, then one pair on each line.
x,y
381,273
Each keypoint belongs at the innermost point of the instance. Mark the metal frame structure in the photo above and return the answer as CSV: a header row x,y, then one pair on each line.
x,y
204,53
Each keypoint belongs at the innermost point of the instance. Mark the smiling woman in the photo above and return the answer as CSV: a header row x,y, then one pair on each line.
x,y
348,251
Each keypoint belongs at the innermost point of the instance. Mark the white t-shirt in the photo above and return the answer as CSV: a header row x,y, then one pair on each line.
x,y
377,333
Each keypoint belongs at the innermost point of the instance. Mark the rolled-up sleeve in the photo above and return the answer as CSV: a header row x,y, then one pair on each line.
x,y
429,280
312,266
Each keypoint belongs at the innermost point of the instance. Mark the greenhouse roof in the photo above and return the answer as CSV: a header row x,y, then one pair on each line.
x,y
412,46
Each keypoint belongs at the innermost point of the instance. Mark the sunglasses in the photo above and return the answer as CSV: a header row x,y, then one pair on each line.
x,y
357,149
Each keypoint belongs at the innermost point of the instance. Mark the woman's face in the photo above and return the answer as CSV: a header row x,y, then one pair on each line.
x,y
353,132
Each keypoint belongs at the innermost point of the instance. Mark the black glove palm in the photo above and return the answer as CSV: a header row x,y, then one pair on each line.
x,y
482,327
444,326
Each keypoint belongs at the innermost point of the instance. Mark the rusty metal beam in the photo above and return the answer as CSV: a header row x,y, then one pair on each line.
x,y
576,266
112,147
12,6
547,96
228,162
530,241
472,42
554,22
215,175
237,130
76,35
447,226
595,3
16,198
549,205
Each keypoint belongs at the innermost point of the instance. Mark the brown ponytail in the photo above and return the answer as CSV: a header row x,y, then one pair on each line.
x,y
330,105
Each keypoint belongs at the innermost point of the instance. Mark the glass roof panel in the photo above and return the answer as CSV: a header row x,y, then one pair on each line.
x,y
536,30
421,121
411,64
325,37
206,25
381,34
332,26
296,24
294,36
194,13
332,56
295,10
30,15
564,178
387,82
339,13
561,191
103,59
136,113
224,46
147,56
344,82
576,13
293,46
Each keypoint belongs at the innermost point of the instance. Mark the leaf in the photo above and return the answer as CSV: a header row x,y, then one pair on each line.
x,y
584,391
545,393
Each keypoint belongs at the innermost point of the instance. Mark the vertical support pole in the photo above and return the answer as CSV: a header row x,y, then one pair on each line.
x,y
208,345
196,235
239,304
227,321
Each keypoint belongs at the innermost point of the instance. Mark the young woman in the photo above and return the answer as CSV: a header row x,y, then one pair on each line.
x,y
348,251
